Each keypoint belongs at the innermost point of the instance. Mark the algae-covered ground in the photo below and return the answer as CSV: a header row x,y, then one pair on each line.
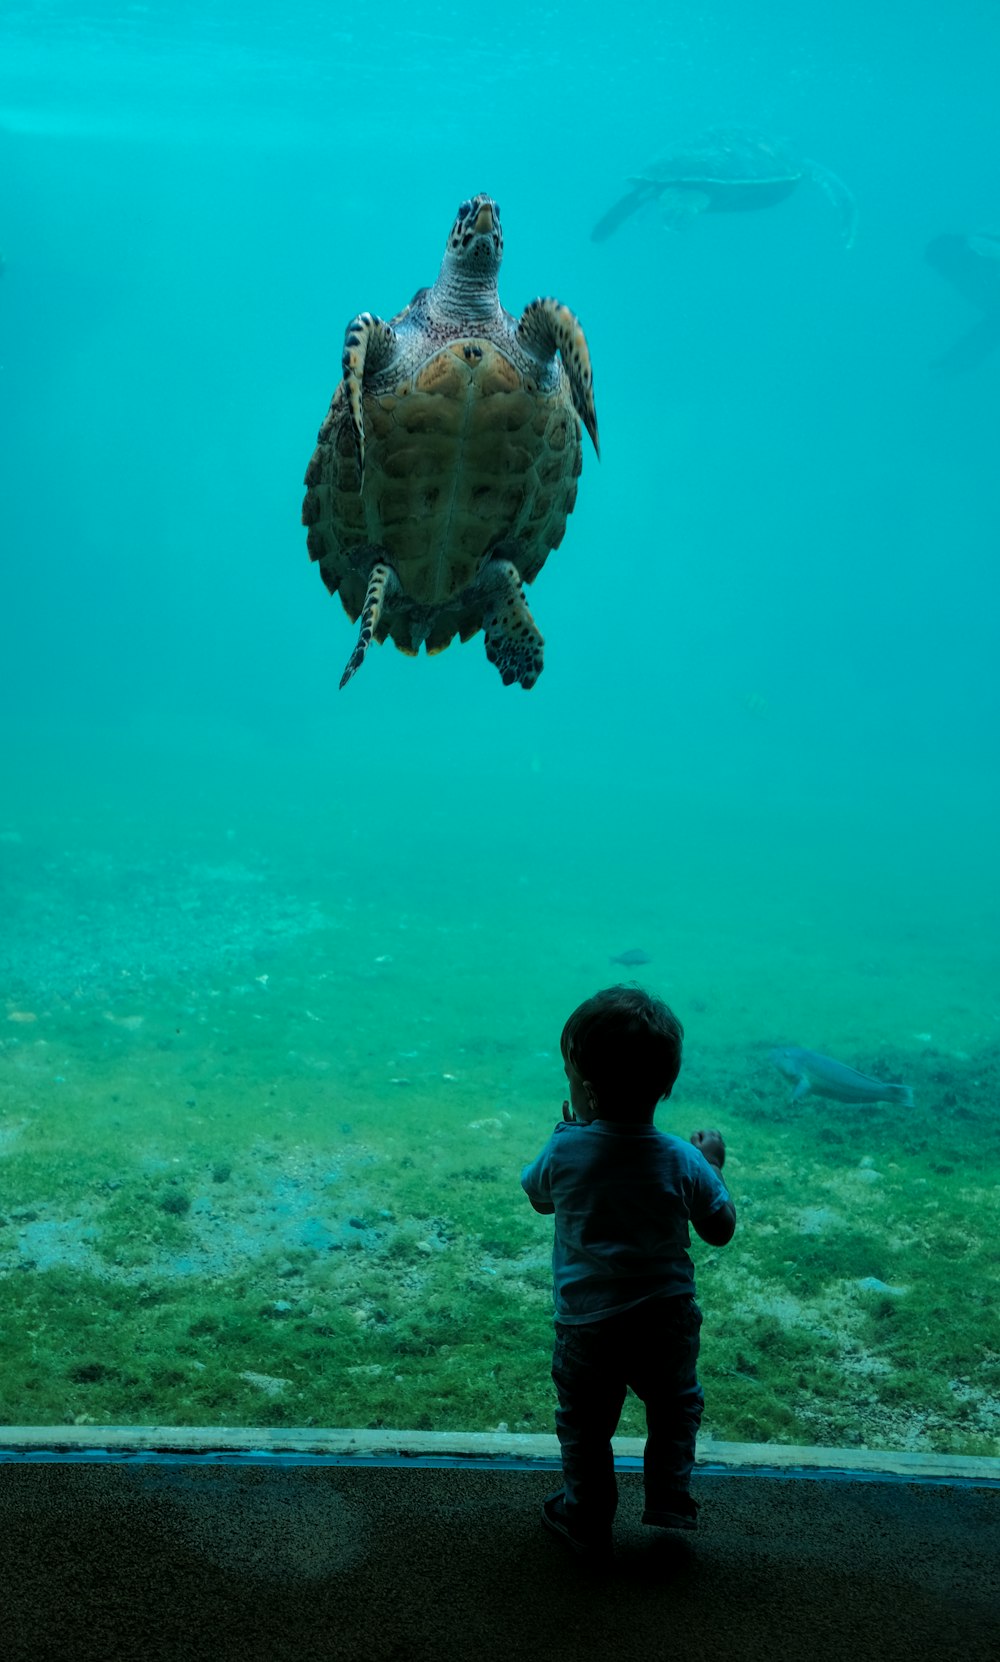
x,y
264,1104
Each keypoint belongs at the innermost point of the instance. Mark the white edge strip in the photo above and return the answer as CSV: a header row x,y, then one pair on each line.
x,y
360,1443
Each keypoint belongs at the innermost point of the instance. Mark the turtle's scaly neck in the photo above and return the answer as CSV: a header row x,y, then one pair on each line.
x,y
465,289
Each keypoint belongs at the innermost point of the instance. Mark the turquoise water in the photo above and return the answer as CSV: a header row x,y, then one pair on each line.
x,y
284,968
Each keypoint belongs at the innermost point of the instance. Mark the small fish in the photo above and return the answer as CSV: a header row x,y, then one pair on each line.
x,y
755,704
634,955
822,1076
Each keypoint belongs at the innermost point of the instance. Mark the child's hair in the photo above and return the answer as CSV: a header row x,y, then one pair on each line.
x,y
628,1045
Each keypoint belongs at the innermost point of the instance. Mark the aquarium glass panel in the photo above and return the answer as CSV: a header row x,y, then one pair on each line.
x,y
285,964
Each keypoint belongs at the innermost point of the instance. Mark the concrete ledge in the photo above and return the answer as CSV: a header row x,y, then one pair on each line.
x,y
475,1447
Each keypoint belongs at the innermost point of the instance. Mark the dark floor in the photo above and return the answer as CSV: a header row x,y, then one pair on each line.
x,y
368,1564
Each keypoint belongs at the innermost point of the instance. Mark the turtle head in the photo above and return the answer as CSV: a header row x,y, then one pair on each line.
x,y
476,238
468,276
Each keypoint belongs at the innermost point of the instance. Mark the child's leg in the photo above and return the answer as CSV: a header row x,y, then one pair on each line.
x,y
591,1392
663,1372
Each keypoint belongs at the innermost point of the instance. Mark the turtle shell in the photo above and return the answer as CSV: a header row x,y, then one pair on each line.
x,y
467,456
727,157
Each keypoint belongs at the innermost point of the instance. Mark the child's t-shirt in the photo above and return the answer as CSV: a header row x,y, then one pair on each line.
x,y
623,1197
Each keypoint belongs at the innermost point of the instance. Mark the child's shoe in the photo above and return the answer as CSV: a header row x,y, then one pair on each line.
x,y
596,1550
677,1511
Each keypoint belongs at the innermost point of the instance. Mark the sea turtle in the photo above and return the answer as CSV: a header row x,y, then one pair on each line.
x,y
448,462
972,264
726,170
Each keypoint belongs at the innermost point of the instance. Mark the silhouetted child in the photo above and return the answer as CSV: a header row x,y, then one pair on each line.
x,y
623,1195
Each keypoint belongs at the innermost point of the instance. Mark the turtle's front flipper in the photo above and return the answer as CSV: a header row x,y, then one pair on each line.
x,y
840,196
368,344
382,584
547,327
621,211
513,642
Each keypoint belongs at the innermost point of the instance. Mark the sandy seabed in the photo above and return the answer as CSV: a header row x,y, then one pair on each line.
x,y
268,1077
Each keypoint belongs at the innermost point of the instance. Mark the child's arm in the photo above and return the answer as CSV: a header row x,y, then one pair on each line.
x,y
535,1183
719,1227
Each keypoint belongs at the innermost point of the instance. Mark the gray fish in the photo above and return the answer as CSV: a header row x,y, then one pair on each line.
x,y
634,955
822,1076
972,264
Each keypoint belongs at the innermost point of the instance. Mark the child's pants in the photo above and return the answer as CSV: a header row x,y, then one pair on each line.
x,y
654,1348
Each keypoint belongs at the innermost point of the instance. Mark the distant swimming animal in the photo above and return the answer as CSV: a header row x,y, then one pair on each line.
x,y
972,264
755,704
821,1076
726,170
633,956
448,462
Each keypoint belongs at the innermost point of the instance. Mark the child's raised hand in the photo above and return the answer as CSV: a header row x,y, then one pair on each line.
x,y
568,1113
712,1146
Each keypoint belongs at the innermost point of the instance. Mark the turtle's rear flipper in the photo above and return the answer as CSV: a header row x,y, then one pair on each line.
x,y
680,204
842,199
382,584
513,642
970,349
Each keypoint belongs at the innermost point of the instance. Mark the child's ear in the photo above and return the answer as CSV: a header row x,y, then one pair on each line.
x,y
591,1096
